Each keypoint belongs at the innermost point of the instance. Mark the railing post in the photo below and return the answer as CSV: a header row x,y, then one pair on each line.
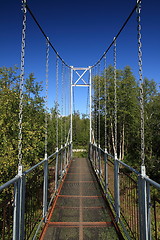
x,y
149,210
116,189
99,162
45,188
71,153
89,151
96,157
16,214
56,171
67,152
143,206
19,206
65,157
62,156
22,200
106,170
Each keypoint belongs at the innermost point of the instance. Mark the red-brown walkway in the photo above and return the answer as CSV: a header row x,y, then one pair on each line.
x,y
79,210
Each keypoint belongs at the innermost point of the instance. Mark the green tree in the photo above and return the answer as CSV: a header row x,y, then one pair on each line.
x,y
33,130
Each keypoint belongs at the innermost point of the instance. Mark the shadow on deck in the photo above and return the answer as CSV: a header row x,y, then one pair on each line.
x,y
80,210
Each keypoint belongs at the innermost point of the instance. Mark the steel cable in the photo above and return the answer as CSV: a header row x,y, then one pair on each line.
x,y
105,104
22,83
57,111
46,98
115,98
141,81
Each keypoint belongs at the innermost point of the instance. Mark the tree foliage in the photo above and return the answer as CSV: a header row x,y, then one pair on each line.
x,y
128,118
128,112
32,128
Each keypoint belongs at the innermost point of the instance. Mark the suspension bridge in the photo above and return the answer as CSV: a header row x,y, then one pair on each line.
x,y
66,197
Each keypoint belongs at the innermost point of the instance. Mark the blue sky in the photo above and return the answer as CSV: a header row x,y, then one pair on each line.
x,y
80,31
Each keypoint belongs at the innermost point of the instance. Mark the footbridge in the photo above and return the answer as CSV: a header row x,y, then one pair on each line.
x,y
79,192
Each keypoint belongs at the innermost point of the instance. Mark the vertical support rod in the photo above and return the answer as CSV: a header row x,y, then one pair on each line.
x,y
90,105
56,171
21,203
71,104
65,157
45,188
94,157
62,157
140,206
16,217
116,189
90,152
106,170
19,206
143,206
99,162
149,211
22,206
71,110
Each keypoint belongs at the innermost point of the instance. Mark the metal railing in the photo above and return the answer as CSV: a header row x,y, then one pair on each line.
x,y
132,195
25,200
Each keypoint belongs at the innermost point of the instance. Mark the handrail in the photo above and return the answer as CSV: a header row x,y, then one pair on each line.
x,y
35,166
61,158
15,179
124,164
38,164
12,181
130,168
152,182
123,190
148,179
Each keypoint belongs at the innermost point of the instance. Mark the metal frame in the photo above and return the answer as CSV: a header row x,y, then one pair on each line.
x,y
75,83
143,182
19,183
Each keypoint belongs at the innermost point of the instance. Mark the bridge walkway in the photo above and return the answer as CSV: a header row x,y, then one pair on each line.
x,y
80,210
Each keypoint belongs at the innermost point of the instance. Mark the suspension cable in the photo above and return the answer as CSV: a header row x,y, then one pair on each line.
x,y
121,29
65,107
44,34
57,76
62,101
22,83
105,102
46,98
93,105
99,106
95,99
140,81
115,98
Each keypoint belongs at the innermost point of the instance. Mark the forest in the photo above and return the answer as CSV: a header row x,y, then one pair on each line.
x,y
128,122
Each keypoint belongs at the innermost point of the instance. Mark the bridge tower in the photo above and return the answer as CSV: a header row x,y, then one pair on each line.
x,y
79,81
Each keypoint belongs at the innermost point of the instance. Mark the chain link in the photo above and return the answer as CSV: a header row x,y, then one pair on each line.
x,y
46,97
57,76
115,97
65,106
99,106
95,108
22,83
141,81
105,100
62,101
93,103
